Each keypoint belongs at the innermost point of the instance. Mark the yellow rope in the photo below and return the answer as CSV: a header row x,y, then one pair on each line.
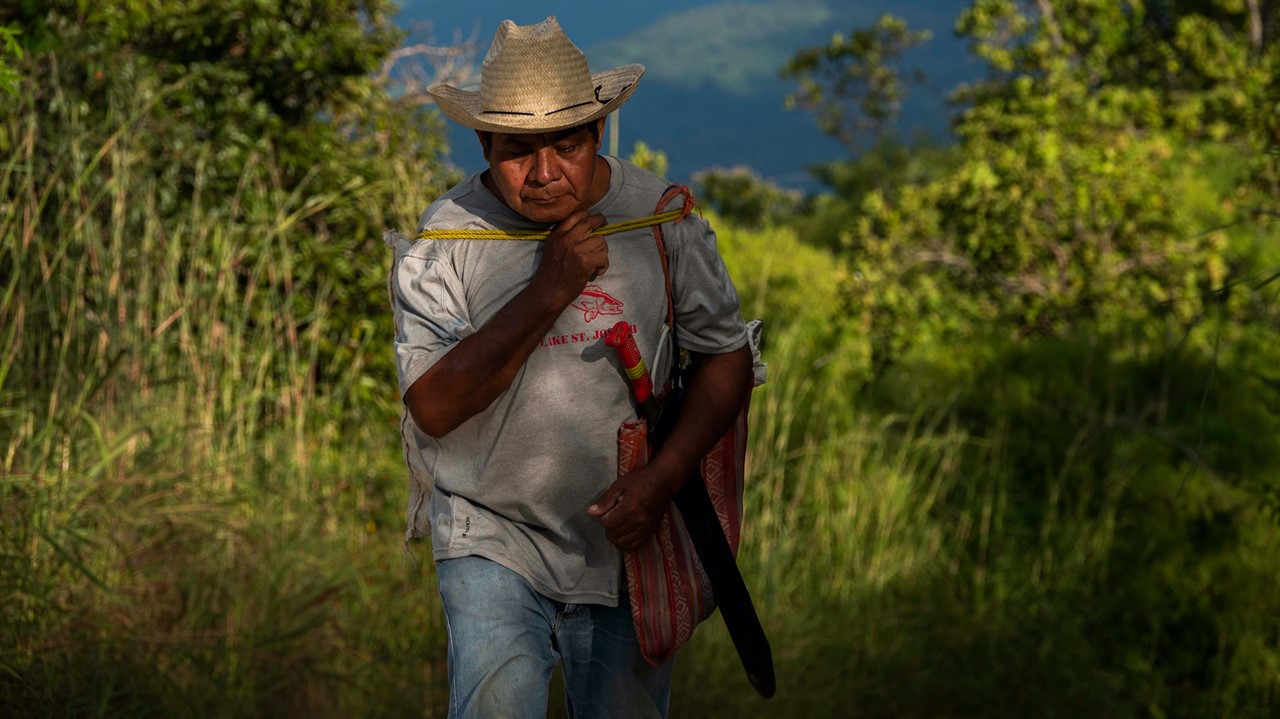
x,y
544,234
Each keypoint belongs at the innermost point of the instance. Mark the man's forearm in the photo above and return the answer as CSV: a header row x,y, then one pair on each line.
x,y
481,367
714,395
472,375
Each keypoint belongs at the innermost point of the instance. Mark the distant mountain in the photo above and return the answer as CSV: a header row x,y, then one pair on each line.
x,y
711,95
732,46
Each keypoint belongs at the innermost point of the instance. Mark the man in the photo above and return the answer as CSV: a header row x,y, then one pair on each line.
x,y
515,400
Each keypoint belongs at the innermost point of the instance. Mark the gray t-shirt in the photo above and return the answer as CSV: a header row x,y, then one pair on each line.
x,y
513,483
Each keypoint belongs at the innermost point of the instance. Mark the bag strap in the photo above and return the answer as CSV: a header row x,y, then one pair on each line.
x,y
672,192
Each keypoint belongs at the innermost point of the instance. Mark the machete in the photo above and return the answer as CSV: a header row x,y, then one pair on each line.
x,y
702,523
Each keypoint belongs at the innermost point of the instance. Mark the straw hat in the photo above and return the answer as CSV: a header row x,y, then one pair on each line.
x,y
535,80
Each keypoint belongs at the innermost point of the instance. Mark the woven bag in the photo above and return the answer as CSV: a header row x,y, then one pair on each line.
x,y
670,592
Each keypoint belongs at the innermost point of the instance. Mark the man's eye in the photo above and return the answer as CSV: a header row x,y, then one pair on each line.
x,y
566,149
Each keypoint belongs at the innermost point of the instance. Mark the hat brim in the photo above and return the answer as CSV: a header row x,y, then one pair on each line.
x,y
463,106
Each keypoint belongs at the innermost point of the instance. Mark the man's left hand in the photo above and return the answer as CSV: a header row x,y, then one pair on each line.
x,y
632,507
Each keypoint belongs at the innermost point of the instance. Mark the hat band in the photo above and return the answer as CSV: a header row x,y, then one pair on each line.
x,y
534,114
571,107
606,102
548,114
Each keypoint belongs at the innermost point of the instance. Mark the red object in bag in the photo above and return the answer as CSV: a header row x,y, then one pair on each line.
x,y
621,339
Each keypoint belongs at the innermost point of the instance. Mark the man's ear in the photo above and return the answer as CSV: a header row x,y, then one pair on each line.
x,y
600,133
484,138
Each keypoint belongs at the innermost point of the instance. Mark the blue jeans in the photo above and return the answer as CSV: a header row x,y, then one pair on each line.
x,y
505,640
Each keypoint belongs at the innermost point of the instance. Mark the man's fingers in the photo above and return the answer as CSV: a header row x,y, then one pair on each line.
x,y
594,256
573,256
626,525
600,256
571,221
627,510
607,501
628,539
620,536
580,223
591,250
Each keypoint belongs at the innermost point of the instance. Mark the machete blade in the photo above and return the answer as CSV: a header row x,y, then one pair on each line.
x,y
727,584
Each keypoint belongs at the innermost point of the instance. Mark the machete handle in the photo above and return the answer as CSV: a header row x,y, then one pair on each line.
x,y
621,339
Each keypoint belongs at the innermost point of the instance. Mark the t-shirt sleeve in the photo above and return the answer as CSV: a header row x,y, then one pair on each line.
x,y
430,312
706,303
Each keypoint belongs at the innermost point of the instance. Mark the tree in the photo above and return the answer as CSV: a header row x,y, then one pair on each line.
x,y
1060,212
645,157
852,83
1093,235
741,196
213,107
242,77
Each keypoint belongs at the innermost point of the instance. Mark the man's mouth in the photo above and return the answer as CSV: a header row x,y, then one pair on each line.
x,y
542,200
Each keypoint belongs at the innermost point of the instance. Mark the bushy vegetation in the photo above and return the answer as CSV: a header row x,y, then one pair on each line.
x,y
1017,455
742,197
1059,394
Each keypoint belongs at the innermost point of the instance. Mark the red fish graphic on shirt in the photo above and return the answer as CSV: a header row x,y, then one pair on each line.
x,y
595,302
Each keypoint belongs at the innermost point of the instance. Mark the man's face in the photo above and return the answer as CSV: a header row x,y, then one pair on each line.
x,y
545,177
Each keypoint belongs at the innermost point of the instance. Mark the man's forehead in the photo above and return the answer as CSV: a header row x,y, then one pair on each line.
x,y
538,138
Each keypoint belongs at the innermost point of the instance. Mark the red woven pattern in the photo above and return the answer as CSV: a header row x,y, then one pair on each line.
x,y
670,592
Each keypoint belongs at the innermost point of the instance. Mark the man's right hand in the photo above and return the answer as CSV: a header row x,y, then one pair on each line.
x,y
471,375
572,257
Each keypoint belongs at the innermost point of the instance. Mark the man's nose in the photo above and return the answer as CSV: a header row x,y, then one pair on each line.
x,y
545,168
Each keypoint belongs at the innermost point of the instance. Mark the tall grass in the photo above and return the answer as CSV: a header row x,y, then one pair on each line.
x,y
194,525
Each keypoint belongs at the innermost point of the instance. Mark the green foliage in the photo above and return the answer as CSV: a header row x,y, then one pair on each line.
x,y
8,76
1201,64
233,73
741,196
214,102
1057,212
851,83
181,534
1063,334
1003,526
1123,474
193,314
826,219
654,161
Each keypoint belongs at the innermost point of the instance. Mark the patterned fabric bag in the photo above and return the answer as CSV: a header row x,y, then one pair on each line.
x,y
670,592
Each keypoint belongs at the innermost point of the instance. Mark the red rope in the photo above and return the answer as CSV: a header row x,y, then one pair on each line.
x,y
671,193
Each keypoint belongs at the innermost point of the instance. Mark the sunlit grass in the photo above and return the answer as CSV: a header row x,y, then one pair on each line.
x,y
193,525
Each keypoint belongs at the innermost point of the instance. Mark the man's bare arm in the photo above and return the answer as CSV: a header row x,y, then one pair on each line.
x,y
473,374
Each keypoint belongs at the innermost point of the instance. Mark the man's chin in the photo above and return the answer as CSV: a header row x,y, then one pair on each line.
x,y
547,212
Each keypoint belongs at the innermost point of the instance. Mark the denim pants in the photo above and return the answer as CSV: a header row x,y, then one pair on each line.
x,y
505,640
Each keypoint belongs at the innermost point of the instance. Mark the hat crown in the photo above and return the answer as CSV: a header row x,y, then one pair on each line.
x,y
534,70
533,79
